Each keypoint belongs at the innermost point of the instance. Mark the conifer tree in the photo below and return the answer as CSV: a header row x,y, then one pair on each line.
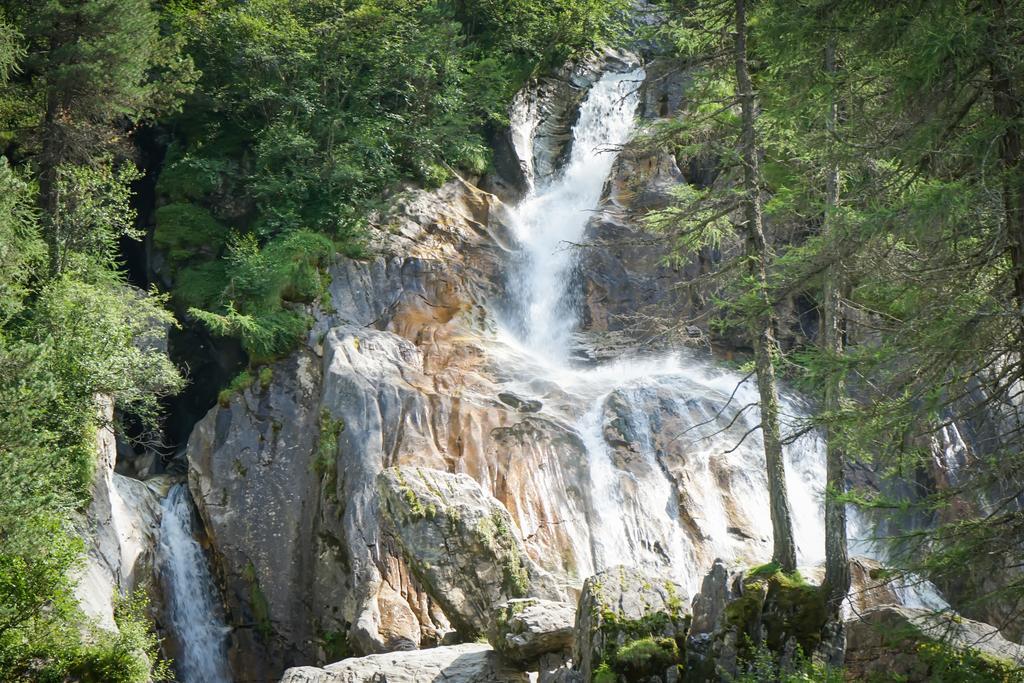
x,y
714,36
763,322
837,562
97,66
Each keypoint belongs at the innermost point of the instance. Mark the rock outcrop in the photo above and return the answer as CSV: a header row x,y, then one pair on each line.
x,y
632,624
120,528
523,630
403,368
913,645
406,370
254,481
461,543
394,373
471,663
740,609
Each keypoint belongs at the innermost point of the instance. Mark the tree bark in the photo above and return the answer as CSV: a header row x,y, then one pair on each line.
x,y
837,561
1006,100
49,160
763,332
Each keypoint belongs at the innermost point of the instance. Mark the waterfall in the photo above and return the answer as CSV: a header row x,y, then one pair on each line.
x,y
553,217
189,591
684,434
675,463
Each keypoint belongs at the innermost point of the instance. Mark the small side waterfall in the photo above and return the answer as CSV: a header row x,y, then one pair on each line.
x,y
189,591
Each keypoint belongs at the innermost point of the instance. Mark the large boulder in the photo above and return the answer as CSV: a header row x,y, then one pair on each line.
x,y
524,629
461,543
470,663
631,624
920,645
760,607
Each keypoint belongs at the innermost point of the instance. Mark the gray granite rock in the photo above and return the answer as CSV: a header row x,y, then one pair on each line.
x,y
524,629
885,641
470,663
620,607
461,543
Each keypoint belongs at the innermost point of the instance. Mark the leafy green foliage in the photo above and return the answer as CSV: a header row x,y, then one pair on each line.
x,y
261,286
187,231
948,665
543,32
96,58
240,383
308,113
78,340
22,250
65,342
646,657
920,123
91,211
763,665
129,656
55,650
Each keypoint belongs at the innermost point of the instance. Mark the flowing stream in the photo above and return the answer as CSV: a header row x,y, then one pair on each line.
x,y
192,608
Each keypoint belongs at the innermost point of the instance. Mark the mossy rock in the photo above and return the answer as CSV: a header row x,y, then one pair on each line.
x,y
892,642
777,609
631,626
461,544
646,657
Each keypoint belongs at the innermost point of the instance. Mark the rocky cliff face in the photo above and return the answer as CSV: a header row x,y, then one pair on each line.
x,y
330,543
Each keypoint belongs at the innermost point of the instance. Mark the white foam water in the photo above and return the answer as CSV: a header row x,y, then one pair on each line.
x,y
632,515
189,591
552,218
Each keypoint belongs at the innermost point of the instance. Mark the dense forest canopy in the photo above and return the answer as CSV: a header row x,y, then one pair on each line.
x,y
867,156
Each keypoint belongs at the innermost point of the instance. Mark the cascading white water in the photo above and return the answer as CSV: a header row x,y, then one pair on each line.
x,y
633,510
189,591
553,218
675,464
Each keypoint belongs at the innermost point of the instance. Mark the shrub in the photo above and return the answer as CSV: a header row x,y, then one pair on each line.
x,y
187,231
646,657
260,283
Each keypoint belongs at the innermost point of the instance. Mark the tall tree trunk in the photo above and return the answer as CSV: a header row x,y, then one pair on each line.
x,y
49,160
1009,110
837,565
763,332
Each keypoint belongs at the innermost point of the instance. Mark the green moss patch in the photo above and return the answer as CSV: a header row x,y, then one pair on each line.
x,y
326,461
776,606
636,649
240,383
646,657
